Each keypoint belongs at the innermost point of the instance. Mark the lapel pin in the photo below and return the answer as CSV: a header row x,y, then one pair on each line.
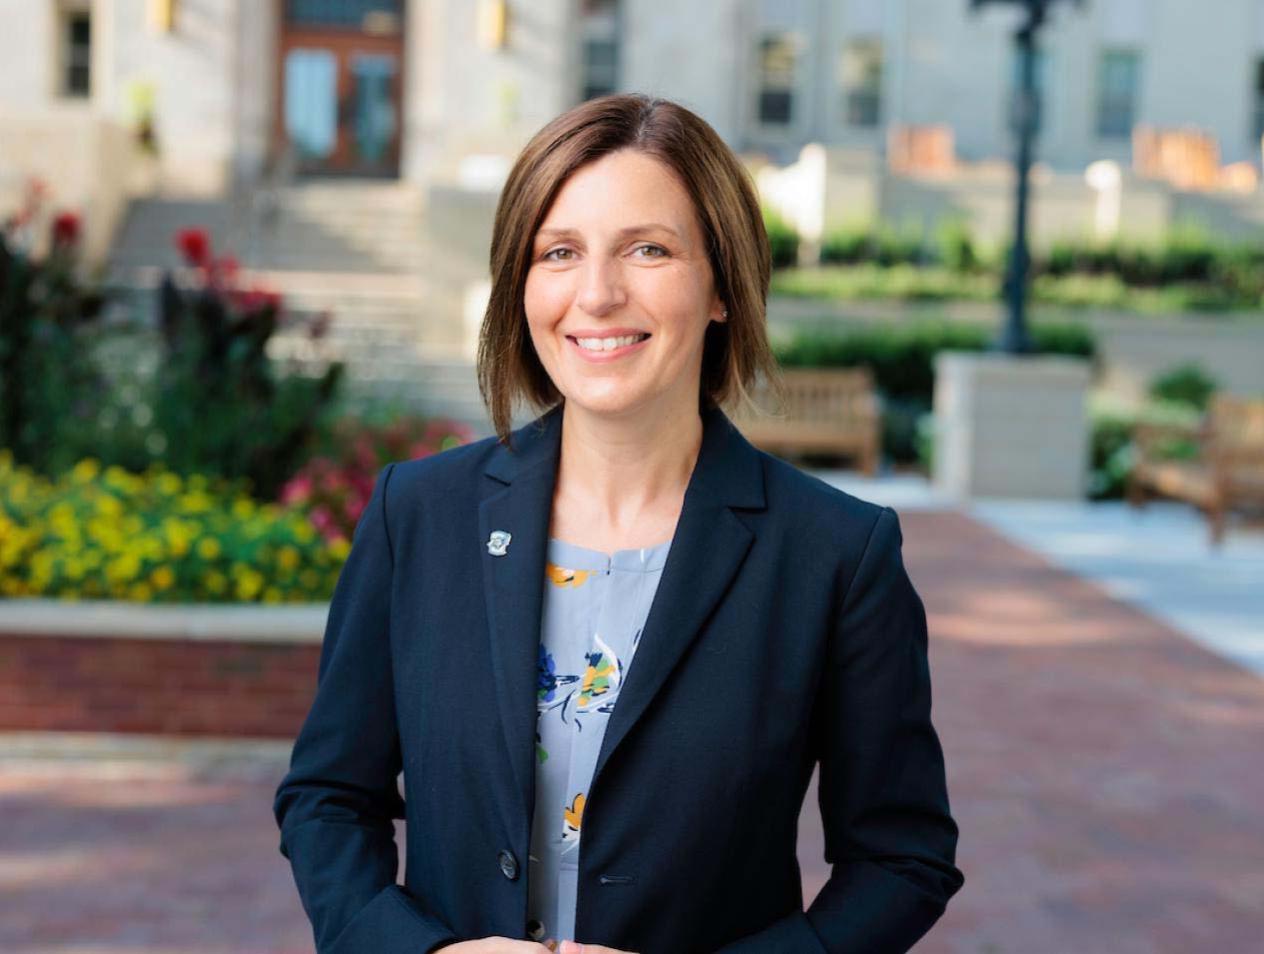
x,y
498,542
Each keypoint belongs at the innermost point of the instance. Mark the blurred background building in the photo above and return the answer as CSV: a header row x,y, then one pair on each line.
x,y
406,88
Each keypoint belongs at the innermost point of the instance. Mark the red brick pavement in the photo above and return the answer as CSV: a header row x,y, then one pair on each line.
x,y
1107,775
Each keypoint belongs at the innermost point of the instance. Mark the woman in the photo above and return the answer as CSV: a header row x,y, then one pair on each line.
x,y
621,620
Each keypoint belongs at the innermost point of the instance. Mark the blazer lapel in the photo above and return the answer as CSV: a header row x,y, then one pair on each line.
x,y
708,546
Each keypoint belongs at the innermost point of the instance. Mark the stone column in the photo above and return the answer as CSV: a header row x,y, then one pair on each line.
x,y
1011,426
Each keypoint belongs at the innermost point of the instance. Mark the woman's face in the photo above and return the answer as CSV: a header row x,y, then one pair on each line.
x,y
620,253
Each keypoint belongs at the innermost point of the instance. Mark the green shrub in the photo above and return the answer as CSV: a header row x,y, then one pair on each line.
x,y
218,401
956,247
1187,383
783,239
846,246
902,361
49,314
899,247
901,357
870,281
1111,449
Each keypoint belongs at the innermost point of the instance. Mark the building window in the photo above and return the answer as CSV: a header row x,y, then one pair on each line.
x,y
600,31
861,78
778,67
1118,78
76,54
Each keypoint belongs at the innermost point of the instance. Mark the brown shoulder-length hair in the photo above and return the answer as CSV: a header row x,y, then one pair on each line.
x,y
736,352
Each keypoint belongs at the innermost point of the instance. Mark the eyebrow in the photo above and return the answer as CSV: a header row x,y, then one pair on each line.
x,y
647,227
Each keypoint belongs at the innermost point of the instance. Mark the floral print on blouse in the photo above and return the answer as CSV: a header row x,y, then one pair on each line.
x,y
595,606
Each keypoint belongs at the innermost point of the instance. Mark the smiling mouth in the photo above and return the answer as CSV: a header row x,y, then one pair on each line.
x,y
601,345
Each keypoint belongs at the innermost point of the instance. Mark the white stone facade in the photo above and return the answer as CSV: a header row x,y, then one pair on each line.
x,y
215,75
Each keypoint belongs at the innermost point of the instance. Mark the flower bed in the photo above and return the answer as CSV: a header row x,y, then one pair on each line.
x,y
111,534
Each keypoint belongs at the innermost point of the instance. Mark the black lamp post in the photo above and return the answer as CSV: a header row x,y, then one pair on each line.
x,y
1014,338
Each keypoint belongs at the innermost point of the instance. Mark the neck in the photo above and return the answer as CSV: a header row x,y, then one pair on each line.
x,y
617,472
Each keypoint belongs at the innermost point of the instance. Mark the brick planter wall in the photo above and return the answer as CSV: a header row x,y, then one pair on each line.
x,y
203,683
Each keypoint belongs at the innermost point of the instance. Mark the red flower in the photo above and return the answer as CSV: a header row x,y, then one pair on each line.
x,y
255,299
195,246
66,229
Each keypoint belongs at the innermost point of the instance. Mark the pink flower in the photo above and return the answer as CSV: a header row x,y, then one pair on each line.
x,y
296,490
355,507
322,520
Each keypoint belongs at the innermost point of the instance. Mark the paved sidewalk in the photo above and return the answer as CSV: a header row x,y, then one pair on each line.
x,y
1157,558
1106,773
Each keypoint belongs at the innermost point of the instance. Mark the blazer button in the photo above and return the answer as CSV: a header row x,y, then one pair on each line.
x,y
508,864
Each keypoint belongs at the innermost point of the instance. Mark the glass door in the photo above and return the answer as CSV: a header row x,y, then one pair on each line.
x,y
340,88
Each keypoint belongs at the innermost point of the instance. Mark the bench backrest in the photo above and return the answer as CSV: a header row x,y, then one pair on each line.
x,y
1235,432
831,397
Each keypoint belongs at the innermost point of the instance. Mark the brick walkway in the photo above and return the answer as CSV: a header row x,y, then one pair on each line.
x,y
1107,774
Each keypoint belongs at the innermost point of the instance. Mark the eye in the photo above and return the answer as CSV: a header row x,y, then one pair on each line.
x,y
657,248
546,256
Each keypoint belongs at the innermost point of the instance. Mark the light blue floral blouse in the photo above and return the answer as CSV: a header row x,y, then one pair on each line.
x,y
595,605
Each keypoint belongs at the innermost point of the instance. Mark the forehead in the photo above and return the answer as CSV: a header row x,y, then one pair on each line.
x,y
618,192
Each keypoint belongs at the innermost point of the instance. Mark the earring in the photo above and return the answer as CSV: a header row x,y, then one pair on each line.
x,y
724,313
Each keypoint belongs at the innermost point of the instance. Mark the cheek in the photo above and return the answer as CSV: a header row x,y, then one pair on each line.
x,y
544,298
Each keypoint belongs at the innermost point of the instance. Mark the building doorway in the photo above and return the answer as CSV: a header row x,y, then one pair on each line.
x,y
341,86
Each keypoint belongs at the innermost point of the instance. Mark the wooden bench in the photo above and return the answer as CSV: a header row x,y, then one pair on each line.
x,y
1227,475
826,411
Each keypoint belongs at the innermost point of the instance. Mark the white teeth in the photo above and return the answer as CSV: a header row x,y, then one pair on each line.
x,y
608,344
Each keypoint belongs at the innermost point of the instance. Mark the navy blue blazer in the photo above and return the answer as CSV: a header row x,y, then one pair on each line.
x,y
784,631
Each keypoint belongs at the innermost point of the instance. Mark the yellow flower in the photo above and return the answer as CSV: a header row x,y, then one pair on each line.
x,y
85,471
168,483
288,558
216,582
152,548
339,547
208,548
195,502
140,592
304,532
123,568
272,595
178,535
162,578
243,507
109,506
249,583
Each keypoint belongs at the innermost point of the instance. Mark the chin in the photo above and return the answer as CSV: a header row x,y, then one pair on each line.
x,y
613,405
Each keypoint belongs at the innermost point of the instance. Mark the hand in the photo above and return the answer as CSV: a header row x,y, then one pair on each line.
x,y
496,945
574,947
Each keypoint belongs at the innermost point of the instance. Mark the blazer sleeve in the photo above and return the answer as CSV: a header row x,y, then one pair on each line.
x,y
335,806
889,837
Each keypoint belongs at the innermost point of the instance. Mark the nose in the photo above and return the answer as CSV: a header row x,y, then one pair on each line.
x,y
601,285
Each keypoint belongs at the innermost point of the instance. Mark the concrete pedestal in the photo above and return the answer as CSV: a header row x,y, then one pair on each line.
x,y
1011,426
